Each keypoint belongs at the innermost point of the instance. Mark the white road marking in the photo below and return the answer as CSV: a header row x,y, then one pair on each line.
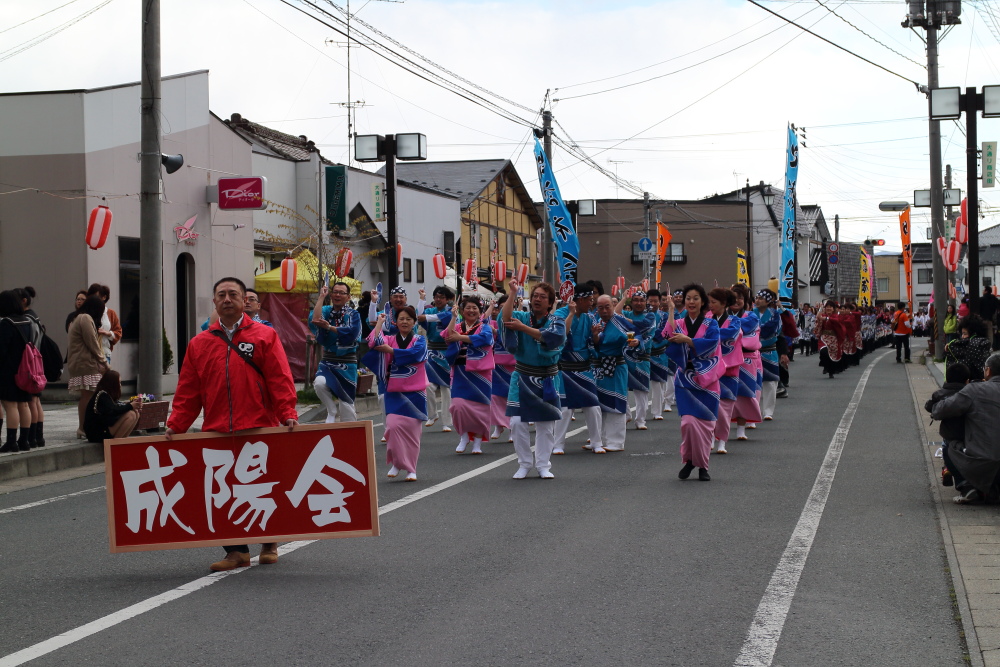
x,y
51,500
769,620
92,628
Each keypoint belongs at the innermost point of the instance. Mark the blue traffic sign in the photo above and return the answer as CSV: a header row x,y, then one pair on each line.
x,y
833,259
645,244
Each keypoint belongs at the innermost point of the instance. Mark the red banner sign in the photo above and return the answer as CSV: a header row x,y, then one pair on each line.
x,y
263,485
243,193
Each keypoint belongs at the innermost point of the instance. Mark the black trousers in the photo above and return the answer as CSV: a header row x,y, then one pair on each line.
x,y
900,342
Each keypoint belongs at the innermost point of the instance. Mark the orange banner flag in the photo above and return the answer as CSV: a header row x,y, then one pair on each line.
x,y
663,237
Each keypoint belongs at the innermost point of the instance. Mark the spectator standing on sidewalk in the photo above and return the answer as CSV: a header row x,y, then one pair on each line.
x,y
901,329
15,329
110,328
84,356
988,304
240,358
81,296
977,463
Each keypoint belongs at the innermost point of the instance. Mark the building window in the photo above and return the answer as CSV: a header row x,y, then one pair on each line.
x,y
987,281
407,275
676,249
474,234
494,240
527,248
449,247
511,243
128,287
924,276
882,285
420,271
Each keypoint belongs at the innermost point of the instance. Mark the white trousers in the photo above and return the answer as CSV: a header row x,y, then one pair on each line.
x,y
593,417
641,407
657,391
432,411
545,436
669,393
613,430
768,397
335,410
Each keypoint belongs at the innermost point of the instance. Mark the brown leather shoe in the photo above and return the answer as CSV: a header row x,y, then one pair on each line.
x,y
269,553
233,560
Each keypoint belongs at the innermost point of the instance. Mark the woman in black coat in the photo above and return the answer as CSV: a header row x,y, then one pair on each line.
x,y
107,416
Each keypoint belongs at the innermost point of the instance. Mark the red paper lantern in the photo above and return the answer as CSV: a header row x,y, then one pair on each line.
x,y
289,274
951,291
995,291
942,246
440,268
522,274
621,283
343,263
98,227
962,224
614,290
645,284
399,255
500,271
951,254
470,271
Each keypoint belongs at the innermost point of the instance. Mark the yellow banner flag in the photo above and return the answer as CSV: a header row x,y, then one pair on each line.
x,y
741,267
865,286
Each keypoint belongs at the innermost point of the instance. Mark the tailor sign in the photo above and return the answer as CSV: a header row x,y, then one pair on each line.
x,y
244,193
261,485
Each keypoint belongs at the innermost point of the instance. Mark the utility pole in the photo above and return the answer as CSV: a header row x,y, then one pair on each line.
x,y
548,256
749,236
836,267
645,230
150,379
934,17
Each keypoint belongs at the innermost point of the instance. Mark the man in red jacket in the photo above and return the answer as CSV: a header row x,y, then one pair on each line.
x,y
250,386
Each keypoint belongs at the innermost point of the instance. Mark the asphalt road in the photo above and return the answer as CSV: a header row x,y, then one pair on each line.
x,y
615,562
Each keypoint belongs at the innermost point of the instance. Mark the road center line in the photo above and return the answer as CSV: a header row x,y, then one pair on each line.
x,y
92,628
50,500
768,622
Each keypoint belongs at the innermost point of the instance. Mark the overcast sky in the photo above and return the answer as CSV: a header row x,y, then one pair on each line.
x,y
721,79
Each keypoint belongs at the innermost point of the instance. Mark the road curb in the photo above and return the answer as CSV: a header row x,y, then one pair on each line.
x,y
968,625
41,461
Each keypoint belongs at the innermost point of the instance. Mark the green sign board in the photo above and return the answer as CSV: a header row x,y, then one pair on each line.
x,y
336,198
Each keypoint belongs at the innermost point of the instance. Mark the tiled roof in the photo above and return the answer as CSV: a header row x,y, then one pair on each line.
x,y
989,236
274,142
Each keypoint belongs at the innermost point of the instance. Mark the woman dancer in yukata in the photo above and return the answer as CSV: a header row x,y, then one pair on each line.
x,y
720,300
470,353
694,347
502,370
398,361
829,330
770,329
746,410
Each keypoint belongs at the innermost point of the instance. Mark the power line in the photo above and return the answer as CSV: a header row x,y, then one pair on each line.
x,y
37,17
823,5
35,41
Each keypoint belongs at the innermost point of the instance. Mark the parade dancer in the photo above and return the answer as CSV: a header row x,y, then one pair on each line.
x,y
746,410
694,347
637,358
502,370
720,300
536,339
470,353
673,307
829,330
577,374
399,362
434,320
770,329
337,329
612,333
660,376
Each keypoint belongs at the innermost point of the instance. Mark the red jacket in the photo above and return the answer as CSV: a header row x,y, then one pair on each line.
x,y
234,395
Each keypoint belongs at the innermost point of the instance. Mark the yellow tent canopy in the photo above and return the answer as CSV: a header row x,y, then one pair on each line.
x,y
306,282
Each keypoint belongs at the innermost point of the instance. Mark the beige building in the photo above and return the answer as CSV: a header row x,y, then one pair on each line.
x,y
888,278
64,152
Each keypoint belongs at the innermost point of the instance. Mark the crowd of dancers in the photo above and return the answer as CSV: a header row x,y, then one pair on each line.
x,y
719,358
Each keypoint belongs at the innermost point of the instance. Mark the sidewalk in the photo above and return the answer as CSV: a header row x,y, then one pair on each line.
x,y
971,536
63,450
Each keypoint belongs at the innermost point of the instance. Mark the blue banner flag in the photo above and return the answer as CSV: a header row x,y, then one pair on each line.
x,y
563,232
786,277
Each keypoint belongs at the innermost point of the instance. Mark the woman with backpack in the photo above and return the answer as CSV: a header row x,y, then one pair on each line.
x,y
16,331
27,293
85,357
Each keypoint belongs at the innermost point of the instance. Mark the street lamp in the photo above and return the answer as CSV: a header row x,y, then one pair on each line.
x,y
389,148
948,104
768,198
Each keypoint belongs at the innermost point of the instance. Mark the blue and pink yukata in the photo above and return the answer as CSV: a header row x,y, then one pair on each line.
x,y
438,368
578,380
502,370
612,381
747,405
337,373
697,386
637,361
536,388
731,350
770,329
472,381
402,377
661,374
